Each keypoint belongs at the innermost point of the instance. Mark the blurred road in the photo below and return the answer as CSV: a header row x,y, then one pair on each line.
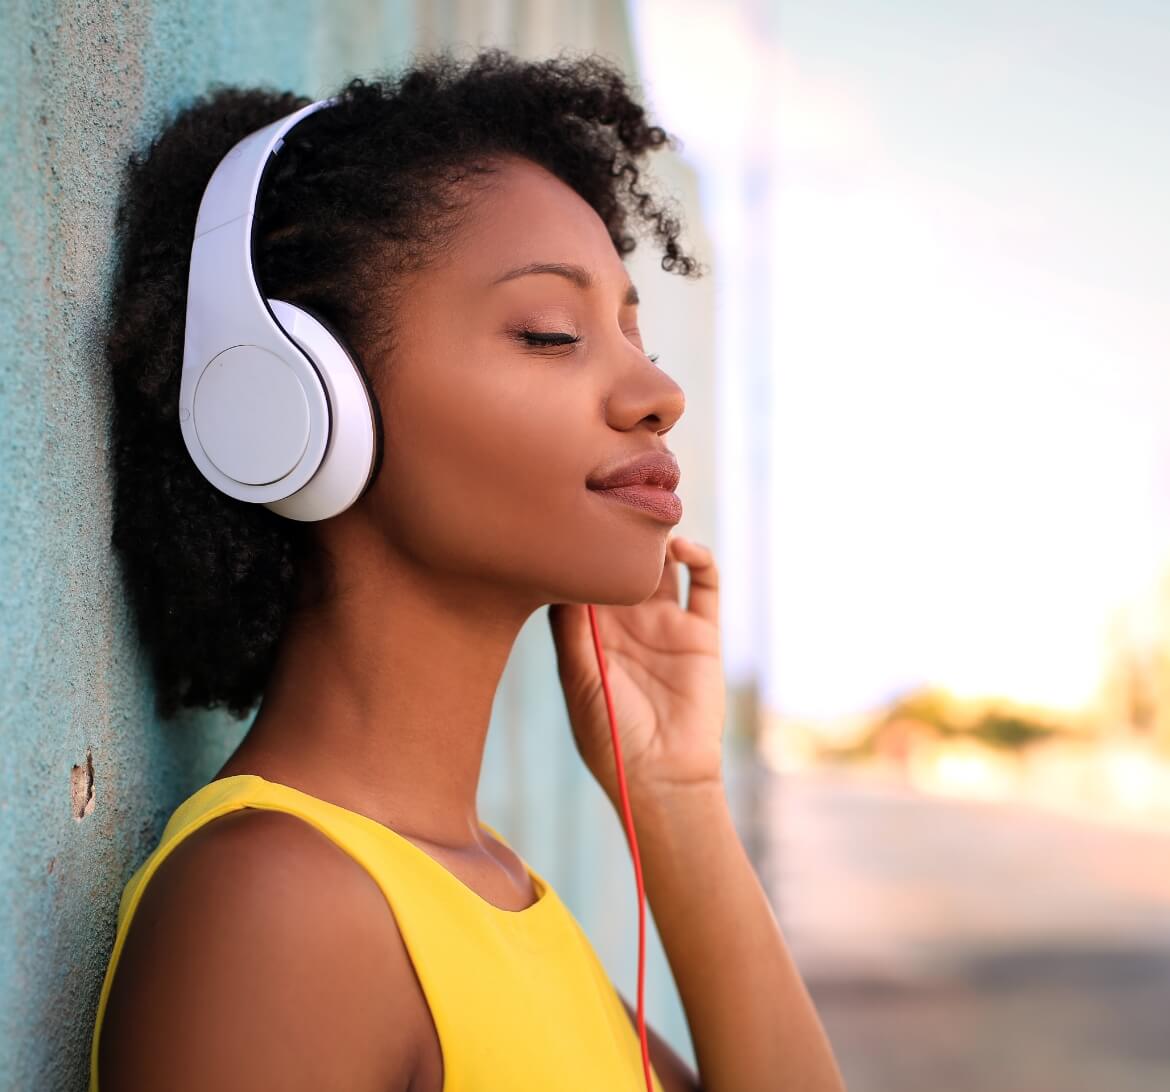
x,y
961,946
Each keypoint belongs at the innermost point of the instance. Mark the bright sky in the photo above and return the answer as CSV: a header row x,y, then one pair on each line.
x,y
944,274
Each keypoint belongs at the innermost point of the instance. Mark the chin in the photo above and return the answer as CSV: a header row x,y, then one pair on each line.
x,y
620,572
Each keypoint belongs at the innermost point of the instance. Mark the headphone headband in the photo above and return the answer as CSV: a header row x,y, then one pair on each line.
x,y
234,186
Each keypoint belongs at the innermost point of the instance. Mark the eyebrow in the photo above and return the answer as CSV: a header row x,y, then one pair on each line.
x,y
579,275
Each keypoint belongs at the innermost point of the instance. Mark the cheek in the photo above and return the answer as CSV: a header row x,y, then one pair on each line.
x,y
499,453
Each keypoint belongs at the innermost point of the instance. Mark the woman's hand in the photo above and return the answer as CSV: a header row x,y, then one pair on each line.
x,y
665,673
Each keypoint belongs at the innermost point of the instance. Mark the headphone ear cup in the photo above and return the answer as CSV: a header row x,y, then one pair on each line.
x,y
353,453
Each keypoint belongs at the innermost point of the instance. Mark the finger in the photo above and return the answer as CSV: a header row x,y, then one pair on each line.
x,y
573,641
703,594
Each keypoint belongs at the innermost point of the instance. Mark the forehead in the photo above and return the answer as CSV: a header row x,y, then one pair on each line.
x,y
521,213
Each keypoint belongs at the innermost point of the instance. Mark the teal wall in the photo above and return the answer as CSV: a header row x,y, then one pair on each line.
x,y
81,85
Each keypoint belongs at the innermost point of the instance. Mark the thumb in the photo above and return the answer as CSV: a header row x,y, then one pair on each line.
x,y
573,640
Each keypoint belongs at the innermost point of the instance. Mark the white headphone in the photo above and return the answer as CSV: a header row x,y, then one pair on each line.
x,y
273,408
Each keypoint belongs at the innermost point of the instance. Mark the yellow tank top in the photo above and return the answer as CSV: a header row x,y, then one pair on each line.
x,y
519,998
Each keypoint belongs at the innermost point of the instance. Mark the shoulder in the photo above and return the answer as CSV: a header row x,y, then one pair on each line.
x,y
261,955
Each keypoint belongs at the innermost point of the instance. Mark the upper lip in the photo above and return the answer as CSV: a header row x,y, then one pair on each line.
x,y
655,468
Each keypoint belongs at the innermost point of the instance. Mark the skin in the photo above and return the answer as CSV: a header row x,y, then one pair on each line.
x,y
380,701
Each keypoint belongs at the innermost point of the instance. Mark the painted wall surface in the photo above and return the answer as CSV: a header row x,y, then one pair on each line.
x,y
88,774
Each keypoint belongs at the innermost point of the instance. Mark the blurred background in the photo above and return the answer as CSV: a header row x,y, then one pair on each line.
x,y
942,350
925,377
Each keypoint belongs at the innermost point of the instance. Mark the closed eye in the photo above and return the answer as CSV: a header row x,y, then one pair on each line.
x,y
547,337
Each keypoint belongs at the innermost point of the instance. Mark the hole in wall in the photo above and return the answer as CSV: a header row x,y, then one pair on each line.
x,y
81,785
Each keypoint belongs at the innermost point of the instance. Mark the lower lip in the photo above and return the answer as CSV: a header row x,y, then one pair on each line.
x,y
652,499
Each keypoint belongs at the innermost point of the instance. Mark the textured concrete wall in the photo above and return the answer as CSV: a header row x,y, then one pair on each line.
x,y
88,775
82,84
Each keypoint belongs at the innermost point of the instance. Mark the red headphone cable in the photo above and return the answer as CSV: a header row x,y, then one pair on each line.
x,y
621,774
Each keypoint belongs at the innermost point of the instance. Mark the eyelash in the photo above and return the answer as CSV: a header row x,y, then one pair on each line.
x,y
545,340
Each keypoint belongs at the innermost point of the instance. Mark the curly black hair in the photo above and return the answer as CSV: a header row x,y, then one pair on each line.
x,y
362,192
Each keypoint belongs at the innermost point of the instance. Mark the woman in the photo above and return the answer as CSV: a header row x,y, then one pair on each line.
x,y
461,228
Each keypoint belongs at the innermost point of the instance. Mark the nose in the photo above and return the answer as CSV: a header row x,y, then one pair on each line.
x,y
643,392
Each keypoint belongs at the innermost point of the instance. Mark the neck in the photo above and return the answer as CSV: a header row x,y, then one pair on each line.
x,y
380,700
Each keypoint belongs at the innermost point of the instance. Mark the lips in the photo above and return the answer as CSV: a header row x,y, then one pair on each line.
x,y
646,482
656,468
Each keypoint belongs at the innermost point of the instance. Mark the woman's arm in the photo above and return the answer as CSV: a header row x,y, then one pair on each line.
x,y
751,1019
752,1022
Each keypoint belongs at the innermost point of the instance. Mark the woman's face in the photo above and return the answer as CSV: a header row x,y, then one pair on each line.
x,y
491,433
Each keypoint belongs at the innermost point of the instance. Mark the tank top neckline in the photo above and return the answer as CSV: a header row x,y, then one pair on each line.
x,y
540,885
